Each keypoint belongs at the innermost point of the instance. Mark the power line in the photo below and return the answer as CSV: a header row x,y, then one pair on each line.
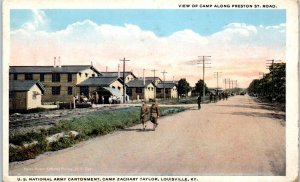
x,y
124,88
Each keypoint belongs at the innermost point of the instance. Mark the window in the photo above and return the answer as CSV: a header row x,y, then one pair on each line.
x,y
55,77
15,76
152,88
86,75
119,88
158,90
80,74
70,90
69,77
113,87
12,94
149,88
34,94
139,90
129,91
55,90
42,77
28,76
93,75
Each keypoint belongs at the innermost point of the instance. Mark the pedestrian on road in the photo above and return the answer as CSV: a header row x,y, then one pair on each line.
x,y
96,98
154,111
199,101
144,114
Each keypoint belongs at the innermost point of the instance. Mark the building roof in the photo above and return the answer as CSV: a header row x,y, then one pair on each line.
x,y
51,69
138,83
167,85
176,82
115,73
152,78
24,85
102,81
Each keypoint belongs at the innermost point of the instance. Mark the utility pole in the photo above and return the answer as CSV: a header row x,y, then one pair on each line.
x,y
228,81
217,74
224,80
164,84
124,87
203,61
154,70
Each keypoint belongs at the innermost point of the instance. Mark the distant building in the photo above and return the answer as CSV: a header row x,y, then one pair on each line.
x,y
155,80
138,89
170,90
59,81
25,94
105,86
128,75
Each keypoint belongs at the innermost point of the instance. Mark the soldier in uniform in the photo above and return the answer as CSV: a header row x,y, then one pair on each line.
x,y
144,114
154,111
199,101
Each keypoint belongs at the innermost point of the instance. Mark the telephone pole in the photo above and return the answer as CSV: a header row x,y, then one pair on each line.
x,y
154,70
203,61
164,84
124,87
216,74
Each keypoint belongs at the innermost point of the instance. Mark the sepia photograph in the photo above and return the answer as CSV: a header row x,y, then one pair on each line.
x,y
150,93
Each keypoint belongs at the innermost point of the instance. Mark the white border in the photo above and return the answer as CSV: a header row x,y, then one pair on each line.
x,y
292,106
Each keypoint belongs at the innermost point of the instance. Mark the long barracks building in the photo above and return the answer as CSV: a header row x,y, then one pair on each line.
x,y
60,82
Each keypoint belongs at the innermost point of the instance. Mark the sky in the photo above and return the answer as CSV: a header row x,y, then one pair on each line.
x,y
238,41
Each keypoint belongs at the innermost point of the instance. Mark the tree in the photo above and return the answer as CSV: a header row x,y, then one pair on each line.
x,y
272,86
183,87
199,87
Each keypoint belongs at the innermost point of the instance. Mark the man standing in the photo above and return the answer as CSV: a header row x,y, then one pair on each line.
x,y
199,101
154,111
144,114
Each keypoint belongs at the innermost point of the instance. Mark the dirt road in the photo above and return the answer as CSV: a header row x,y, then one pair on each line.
x,y
233,137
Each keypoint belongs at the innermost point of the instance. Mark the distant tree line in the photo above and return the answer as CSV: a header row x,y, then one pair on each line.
x,y
273,84
184,87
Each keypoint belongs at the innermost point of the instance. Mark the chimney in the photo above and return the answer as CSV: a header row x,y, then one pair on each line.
x,y
118,70
173,80
54,64
59,64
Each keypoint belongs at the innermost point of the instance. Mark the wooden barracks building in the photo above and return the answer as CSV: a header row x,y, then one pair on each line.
x,y
62,83
59,81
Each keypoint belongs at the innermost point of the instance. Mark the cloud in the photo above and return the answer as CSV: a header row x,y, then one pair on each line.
x,y
238,50
39,21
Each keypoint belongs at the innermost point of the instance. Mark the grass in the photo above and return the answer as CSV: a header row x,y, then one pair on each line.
x,y
95,124
188,100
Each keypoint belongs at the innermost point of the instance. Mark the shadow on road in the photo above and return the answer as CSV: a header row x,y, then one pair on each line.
x,y
258,114
261,106
137,129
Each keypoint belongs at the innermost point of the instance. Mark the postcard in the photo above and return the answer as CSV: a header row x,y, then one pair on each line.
x,y
150,90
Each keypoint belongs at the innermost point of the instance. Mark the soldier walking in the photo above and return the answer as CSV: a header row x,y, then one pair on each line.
x,y
199,101
144,114
154,111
